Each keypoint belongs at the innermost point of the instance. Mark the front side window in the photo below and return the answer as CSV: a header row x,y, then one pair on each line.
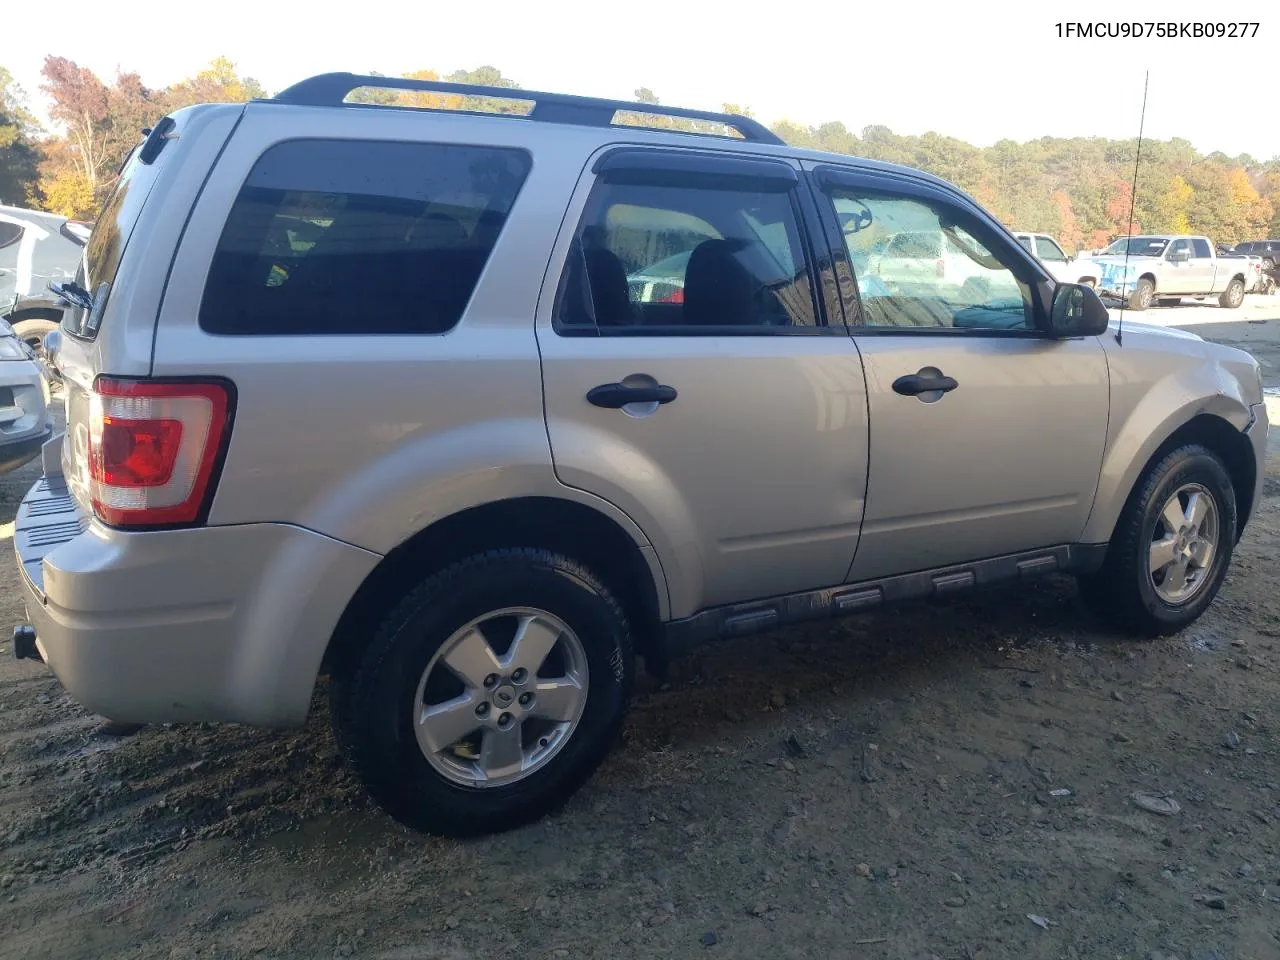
x,y
1047,250
1025,242
686,258
919,267
358,237
1179,248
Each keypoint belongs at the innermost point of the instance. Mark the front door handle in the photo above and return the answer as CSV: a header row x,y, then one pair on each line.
x,y
915,384
614,396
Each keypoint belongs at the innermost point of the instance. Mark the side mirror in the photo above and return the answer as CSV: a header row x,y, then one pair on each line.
x,y
1077,312
1181,255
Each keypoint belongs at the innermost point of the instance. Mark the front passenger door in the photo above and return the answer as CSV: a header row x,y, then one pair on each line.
x,y
986,434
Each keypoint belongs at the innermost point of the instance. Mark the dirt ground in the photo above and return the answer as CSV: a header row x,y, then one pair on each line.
x,y
944,781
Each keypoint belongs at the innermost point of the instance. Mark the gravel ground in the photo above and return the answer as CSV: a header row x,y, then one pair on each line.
x,y
946,781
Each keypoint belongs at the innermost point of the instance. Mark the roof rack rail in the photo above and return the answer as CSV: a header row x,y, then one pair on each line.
x,y
332,89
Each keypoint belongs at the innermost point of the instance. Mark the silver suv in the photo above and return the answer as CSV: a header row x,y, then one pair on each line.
x,y
470,411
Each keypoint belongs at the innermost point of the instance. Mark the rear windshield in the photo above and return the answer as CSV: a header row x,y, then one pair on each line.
x,y
110,234
358,237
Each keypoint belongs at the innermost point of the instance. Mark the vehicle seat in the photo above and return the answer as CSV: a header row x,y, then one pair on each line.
x,y
718,291
609,294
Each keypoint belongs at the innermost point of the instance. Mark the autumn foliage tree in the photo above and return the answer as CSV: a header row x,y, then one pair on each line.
x,y
1079,189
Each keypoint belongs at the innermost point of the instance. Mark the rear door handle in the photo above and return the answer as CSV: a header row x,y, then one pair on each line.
x,y
915,384
614,396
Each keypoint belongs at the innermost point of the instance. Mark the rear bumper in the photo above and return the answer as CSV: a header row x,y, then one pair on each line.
x,y
211,624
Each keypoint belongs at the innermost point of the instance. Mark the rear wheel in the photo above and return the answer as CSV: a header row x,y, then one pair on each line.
x,y
489,695
1172,545
1140,299
1233,296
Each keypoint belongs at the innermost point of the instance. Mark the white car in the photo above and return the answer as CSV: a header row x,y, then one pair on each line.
x,y
24,402
1065,269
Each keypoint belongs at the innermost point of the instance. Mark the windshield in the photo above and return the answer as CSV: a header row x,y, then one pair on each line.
x,y
1138,247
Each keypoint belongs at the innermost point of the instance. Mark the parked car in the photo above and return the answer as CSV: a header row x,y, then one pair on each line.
x,y
1256,278
24,402
36,249
443,450
1066,268
1168,268
1267,250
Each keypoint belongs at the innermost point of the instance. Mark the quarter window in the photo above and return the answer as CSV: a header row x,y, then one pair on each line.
x,y
676,257
358,237
919,267
10,233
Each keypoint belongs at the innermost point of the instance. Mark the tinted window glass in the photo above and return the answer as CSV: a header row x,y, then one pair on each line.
x,y
955,282
9,233
1179,245
1046,249
1200,248
657,256
1025,243
350,237
111,231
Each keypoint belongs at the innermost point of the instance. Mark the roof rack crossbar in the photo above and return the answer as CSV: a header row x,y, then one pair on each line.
x,y
332,89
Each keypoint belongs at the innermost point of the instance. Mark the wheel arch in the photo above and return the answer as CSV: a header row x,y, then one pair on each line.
x,y
630,570
1217,434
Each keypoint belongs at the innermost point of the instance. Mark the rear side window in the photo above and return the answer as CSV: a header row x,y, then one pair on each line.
x,y
359,237
1200,248
674,258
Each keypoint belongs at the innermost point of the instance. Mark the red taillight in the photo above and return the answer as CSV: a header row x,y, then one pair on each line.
x,y
675,296
153,449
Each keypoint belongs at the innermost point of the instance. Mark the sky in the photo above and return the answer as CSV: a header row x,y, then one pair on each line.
x,y
981,70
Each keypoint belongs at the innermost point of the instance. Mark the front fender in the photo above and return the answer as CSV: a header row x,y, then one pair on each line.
x,y
1144,416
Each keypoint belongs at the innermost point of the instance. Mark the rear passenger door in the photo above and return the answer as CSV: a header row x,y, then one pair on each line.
x,y
690,377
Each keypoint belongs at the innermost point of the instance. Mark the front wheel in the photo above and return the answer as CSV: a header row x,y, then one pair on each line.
x,y
1171,547
1140,299
489,695
1233,296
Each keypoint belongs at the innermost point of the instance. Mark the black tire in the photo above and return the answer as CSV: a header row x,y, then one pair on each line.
x,y
372,703
1122,591
1233,296
1168,301
1140,299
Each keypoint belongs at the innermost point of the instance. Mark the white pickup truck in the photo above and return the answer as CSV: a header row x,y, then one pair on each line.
x,y
1064,268
1165,269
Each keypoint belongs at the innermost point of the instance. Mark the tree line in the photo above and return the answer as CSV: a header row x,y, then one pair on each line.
x,y
1078,189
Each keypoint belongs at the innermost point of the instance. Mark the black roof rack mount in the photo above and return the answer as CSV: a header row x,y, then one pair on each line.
x,y
332,89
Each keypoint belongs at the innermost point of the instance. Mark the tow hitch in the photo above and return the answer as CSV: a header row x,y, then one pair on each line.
x,y
24,643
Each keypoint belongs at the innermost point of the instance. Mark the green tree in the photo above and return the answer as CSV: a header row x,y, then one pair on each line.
x,y
19,151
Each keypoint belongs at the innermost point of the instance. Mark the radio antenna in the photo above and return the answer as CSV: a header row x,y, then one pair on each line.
x,y
1133,196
